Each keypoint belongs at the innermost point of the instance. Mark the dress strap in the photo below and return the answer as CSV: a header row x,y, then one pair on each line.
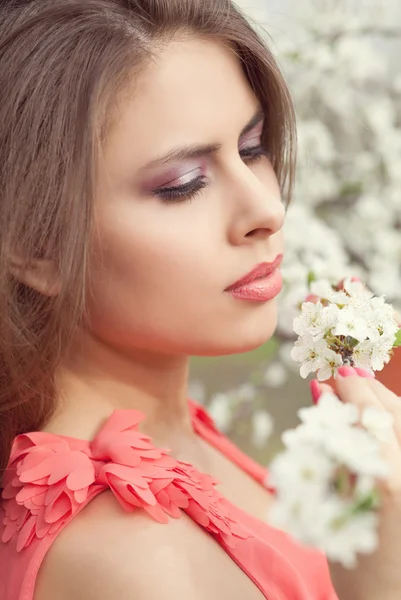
x,y
204,426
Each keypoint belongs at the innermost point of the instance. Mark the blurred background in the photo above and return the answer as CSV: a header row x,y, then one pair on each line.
x,y
341,59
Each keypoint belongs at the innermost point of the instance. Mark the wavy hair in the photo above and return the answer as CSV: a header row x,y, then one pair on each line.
x,y
62,66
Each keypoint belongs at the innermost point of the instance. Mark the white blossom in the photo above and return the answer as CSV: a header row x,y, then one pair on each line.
x,y
246,392
276,374
356,289
381,352
262,428
360,331
356,449
323,288
357,535
220,411
329,412
310,320
290,471
379,423
308,352
362,355
326,481
349,323
328,364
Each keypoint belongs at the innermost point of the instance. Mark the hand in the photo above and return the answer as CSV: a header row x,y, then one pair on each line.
x,y
378,575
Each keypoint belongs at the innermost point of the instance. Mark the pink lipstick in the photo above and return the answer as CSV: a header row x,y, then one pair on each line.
x,y
262,283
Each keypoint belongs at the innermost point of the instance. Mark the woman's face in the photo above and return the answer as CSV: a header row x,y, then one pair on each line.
x,y
163,256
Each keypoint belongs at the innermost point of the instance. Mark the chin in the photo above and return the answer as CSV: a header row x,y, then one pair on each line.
x,y
247,343
244,335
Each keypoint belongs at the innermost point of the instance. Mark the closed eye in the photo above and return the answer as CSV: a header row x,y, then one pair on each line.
x,y
189,190
253,155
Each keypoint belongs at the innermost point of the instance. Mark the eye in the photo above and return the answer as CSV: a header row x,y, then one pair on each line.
x,y
181,193
254,155
188,191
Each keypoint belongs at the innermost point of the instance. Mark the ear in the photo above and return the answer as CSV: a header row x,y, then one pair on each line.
x,y
38,274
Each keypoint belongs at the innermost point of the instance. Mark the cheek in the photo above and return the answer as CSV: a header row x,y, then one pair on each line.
x,y
132,240
146,275
151,247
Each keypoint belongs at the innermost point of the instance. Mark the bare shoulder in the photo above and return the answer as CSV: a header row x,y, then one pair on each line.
x,y
106,553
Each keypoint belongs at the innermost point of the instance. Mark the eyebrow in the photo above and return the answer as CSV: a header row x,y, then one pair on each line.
x,y
197,150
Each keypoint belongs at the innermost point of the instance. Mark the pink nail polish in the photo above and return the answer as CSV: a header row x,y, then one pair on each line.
x,y
364,373
347,372
315,391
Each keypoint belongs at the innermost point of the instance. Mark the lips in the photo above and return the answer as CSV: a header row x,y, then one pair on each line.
x,y
261,271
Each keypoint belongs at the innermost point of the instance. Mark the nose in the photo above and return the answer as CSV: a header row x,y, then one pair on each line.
x,y
257,211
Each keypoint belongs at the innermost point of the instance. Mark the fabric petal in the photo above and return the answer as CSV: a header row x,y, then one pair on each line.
x,y
130,491
159,484
9,530
28,492
26,534
58,509
42,528
197,514
83,476
157,513
81,495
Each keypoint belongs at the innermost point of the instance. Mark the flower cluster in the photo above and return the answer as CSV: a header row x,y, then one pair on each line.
x,y
326,481
346,214
344,325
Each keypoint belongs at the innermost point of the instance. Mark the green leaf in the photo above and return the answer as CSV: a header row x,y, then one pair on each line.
x,y
311,277
351,188
397,342
295,56
368,503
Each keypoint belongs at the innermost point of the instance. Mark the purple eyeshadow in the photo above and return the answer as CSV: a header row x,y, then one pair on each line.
x,y
171,176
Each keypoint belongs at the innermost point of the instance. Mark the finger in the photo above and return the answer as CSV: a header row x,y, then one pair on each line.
x,y
367,389
317,389
363,373
354,389
390,402
366,392
324,387
387,397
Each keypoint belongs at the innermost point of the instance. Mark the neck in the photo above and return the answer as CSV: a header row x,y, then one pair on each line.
x,y
97,379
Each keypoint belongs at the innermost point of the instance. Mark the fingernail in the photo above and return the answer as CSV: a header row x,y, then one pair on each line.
x,y
315,390
364,373
347,372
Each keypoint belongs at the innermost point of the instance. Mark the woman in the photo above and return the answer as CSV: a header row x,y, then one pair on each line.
x,y
146,146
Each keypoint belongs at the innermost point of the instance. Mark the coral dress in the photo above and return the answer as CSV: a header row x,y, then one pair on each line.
x,y
51,478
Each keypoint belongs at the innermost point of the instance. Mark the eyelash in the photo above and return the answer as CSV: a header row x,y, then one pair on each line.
x,y
188,191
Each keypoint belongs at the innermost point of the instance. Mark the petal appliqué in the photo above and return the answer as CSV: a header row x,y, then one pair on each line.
x,y
50,477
